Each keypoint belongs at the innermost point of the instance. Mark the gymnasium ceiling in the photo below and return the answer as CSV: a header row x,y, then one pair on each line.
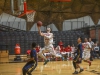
x,y
56,12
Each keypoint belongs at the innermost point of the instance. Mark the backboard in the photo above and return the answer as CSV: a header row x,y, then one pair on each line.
x,y
19,9
17,6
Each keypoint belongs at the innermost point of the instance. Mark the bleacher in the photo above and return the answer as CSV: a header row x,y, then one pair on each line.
x,y
8,28
8,40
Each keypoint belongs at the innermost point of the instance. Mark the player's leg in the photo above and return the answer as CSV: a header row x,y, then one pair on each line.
x,y
88,61
41,53
26,68
76,62
87,57
75,65
79,61
83,55
32,68
51,50
24,71
43,50
78,66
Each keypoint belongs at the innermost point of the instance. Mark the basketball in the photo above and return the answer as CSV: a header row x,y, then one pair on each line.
x,y
39,23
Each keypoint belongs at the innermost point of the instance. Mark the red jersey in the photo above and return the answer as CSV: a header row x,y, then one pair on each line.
x,y
60,43
37,49
63,50
68,49
28,52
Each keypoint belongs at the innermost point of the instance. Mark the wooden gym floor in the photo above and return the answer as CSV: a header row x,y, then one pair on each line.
x,y
52,68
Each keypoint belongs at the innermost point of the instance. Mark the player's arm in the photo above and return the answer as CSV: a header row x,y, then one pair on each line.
x,y
39,30
83,45
80,48
59,48
32,57
92,45
49,37
89,45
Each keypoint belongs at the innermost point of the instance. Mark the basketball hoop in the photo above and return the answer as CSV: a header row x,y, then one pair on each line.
x,y
29,13
30,16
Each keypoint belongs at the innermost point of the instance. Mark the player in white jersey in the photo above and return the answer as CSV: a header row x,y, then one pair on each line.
x,y
48,40
87,49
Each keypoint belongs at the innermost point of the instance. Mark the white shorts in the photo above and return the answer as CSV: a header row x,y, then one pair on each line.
x,y
58,55
49,49
63,53
47,54
86,55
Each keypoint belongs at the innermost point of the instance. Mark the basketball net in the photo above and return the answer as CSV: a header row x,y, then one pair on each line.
x,y
30,16
29,13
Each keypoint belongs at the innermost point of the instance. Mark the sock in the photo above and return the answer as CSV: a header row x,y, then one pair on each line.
x,y
76,69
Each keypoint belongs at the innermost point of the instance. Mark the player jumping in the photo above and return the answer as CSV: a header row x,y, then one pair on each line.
x,y
48,40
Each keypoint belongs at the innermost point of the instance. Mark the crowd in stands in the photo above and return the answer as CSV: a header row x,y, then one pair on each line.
x,y
68,52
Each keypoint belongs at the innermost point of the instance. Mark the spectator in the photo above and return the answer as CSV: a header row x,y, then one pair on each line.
x,y
63,53
58,49
68,50
91,52
91,42
58,54
62,50
73,50
28,53
60,43
96,51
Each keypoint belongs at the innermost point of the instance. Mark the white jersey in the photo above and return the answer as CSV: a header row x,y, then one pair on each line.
x,y
58,48
48,39
73,49
87,46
